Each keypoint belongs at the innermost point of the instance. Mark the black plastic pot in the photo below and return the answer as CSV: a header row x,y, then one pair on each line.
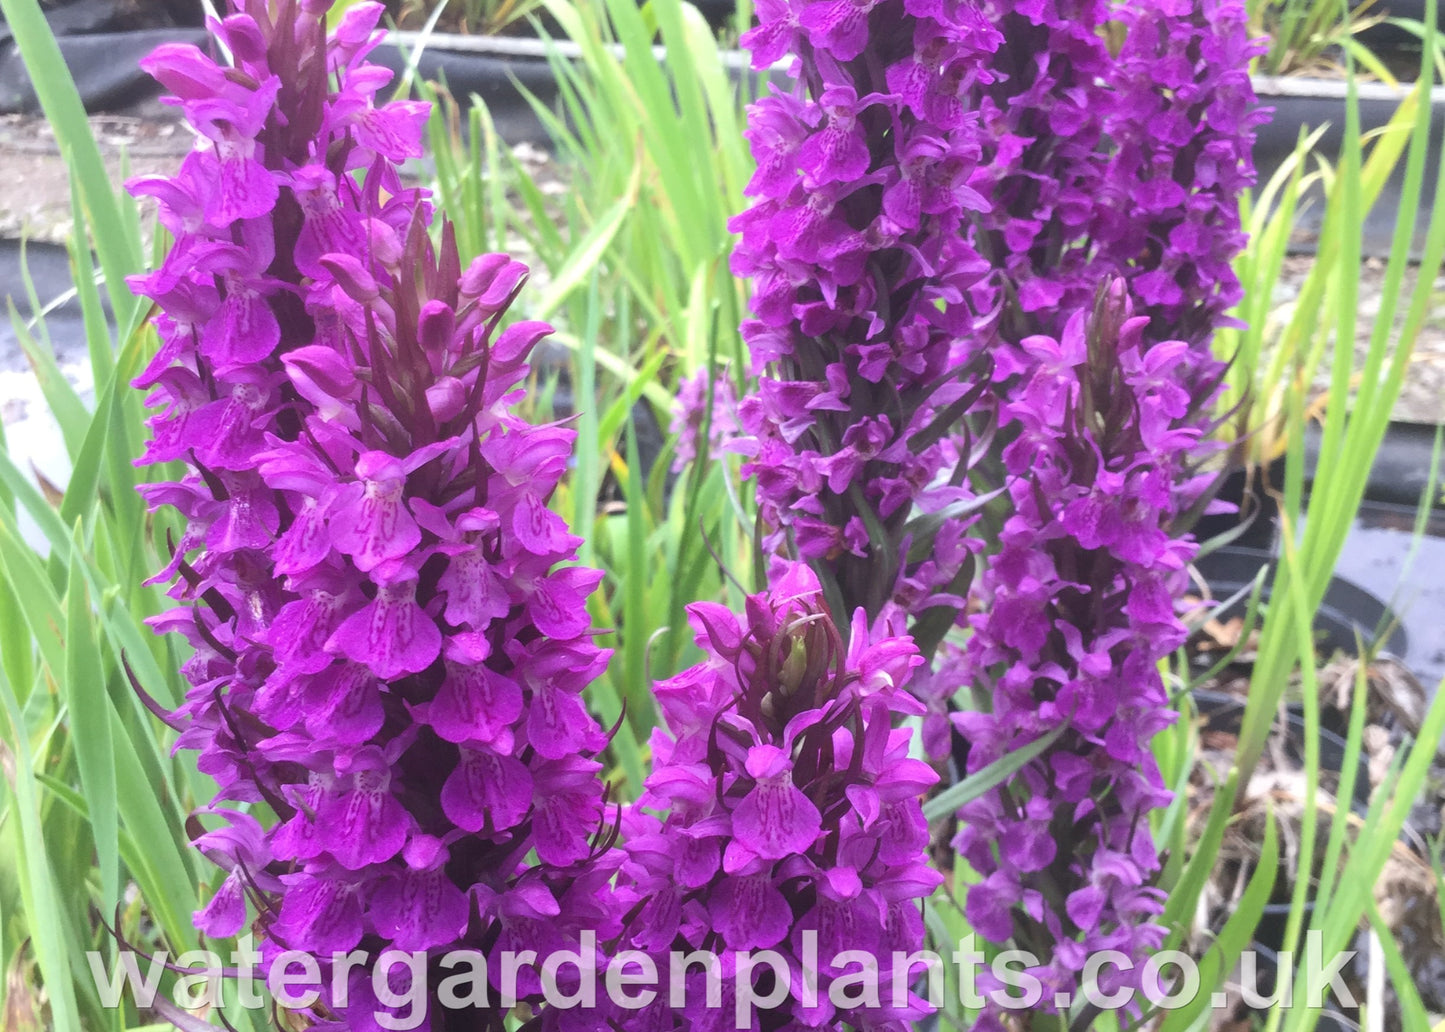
x,y
1269,933
49,268
1305,104
1400,472
1223,712
719,13
1382,555
1385,37
1253,522
1347,609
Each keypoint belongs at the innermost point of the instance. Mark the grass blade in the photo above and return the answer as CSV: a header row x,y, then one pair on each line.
x,y
947,802
89,726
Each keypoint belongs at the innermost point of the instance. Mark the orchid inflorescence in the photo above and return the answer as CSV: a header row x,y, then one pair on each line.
x,y
388,649
783,804
989,246
862,269
1050,188
1077,609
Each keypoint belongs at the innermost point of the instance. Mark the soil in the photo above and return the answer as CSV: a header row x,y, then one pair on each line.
x,y
35,202
1406,892
1422,399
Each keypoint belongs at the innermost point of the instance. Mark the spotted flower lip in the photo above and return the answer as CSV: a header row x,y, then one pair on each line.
x,y
775,819
388,640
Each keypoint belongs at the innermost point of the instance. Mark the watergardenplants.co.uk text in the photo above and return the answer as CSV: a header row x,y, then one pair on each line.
x,y
743,982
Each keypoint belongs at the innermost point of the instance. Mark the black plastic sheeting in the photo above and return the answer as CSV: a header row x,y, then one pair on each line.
x,y
106,68
1385,36
493,79
83,17
104,63
103,41
1278,138
49,266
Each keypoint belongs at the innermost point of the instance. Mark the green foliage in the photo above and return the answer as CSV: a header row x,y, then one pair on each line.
x,y
93,804
631,260
1361,397
478,17
1304,35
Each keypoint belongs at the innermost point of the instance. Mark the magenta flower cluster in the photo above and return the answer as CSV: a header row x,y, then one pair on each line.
x,y
1083,158
1077,608
1129,164
388,647
783,810
1120,168
863,279
705,416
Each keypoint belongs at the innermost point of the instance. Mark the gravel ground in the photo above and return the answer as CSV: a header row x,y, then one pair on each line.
x,y
1423,398
35,203
35,198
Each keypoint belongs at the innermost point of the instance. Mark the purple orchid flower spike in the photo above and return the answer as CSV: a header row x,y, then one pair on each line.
x,y
704,405
857,246
1007,230
944,183
388,644
1108,400
783,807
1076,613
